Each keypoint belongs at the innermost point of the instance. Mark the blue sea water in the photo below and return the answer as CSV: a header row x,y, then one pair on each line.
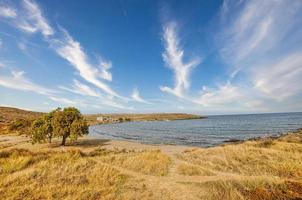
x,y
210,131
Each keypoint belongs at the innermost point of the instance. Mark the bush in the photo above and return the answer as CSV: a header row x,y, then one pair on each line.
x,y
20,125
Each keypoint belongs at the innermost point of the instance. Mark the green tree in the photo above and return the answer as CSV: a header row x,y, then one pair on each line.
x,y
69,122
37,131
47,126
42,128
78,128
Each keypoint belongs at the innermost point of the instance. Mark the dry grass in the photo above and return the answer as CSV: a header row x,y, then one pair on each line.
x,y
57,175
261,169
193,170
73,174
281,159
146,162
266,188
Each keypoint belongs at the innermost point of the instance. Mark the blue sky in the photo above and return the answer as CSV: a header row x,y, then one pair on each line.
x,y
205,57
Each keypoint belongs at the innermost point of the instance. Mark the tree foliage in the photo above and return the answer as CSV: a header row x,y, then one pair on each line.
x,y
66,123
38,134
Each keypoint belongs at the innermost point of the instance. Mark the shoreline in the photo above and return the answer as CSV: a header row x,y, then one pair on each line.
x,y
89,143
225,142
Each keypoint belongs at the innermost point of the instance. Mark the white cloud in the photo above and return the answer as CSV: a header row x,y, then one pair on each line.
x,y
18,81
7,12
223,95
34,21
259,42
104,67
29,19
173,57
82,89
282,79
71,50
136,96
114,104
2,65
256,30
63,100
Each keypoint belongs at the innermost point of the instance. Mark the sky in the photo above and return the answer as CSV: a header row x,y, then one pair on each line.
x,y
203,57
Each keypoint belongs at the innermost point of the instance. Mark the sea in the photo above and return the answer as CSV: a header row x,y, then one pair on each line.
x,y
207,132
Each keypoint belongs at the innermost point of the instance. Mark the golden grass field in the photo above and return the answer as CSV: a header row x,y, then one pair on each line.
x,y
102,169
90,168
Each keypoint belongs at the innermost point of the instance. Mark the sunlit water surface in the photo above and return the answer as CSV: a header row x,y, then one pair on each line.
x,y
211,131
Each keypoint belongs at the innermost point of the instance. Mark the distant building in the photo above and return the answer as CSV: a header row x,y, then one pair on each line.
x,y
103,119
107,119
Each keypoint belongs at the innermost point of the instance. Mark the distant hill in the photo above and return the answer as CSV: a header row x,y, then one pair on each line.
x,y
8,114
112,118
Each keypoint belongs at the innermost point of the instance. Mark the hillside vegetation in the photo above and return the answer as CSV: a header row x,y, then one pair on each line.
x,y
17,119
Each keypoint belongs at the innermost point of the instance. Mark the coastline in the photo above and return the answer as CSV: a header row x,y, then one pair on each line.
x,y
90,142
91,168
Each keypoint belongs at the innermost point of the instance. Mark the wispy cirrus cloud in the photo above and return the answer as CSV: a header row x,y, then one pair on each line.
x,y
63,100
281,79
7,12
29,19
33,20
98,98
71,50
82,89
256,31
137,97
223,95
174,59
104,67
17,80
2,65
258,42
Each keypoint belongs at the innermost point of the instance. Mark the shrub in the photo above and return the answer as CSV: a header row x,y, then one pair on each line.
x,y
20,125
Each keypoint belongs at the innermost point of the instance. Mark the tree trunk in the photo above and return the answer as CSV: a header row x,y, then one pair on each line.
x,y
49,138
64,140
